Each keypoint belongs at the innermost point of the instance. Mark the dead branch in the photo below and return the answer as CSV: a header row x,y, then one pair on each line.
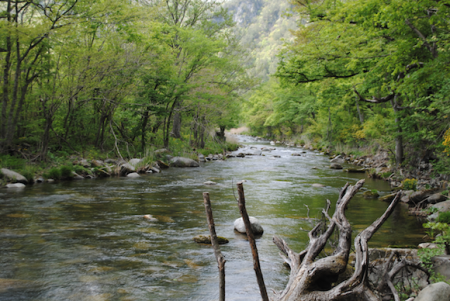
x,y
215,243
251,240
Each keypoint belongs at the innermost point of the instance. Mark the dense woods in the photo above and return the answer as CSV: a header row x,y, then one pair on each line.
x,y
109,75
362,73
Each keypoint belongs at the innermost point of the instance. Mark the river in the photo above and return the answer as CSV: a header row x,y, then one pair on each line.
x,y
87,240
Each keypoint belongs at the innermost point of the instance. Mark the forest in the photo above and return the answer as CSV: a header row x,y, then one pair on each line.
x,y
362,75
102,78
112,77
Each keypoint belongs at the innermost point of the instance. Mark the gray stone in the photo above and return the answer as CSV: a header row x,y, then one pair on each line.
x,y
76,176
16,185
110,161
296,154
335,166
442,206
240,155
97,163
183,162
201,158
84,163
436,198
441,265
126,169
135,162
162,151
434,292
133,175
210,183
39,180
257,229
13,176
150,218
338,160
202,239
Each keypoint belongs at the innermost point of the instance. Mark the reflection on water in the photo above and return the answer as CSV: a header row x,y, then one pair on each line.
x,y
88,240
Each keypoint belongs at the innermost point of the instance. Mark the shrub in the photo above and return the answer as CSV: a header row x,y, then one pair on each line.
x,y
444,217
409,184
54,173
66,172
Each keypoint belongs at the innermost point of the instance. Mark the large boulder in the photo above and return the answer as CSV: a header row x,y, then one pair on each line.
x,y
13,176
442,206
257,229
16,185
415,197
335,166
434,292
183,162
441,265
135,162
126,169
339,159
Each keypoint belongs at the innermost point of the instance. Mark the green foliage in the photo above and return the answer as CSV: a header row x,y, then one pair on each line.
x,y
409,184
81,170
444,217
66,172
54,173
11,162
426,254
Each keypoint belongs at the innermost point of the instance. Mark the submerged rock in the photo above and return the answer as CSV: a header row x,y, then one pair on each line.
x,y
16,185
210,183
355,170
257,229
150,218
335,166
133,175
369,194
183,162
316,185
202,239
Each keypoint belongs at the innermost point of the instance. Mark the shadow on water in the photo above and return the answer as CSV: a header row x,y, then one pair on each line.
x,y
87,240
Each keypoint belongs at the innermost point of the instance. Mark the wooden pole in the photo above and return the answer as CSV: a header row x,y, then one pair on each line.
x,y
215,243
251,240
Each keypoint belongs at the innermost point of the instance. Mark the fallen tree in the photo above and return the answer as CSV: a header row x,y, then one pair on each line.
x,y
316,279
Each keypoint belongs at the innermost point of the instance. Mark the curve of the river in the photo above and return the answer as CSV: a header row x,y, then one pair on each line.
x,y
87,240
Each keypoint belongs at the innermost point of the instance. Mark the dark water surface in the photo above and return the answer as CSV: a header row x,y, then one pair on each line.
x,y
87,240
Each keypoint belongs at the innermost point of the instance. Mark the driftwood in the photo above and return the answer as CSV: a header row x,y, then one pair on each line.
x,y
312,279
251,240
215,243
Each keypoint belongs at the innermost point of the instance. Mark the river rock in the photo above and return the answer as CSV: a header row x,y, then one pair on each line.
x,y
210,183
135,162
150,218
126,169
97,163
240,155
201,158
369,194
436,198
76,176
133,175
202,239
16,185
85,163
272,142
296,154
39,180
257,229
387,197
335,166
434,292
316,185
355,170
442,206
338,160
415,197
13,176
153,170
162,165
111,161
441,265
183,162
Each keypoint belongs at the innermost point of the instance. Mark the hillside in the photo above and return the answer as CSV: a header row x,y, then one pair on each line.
x,y
264,28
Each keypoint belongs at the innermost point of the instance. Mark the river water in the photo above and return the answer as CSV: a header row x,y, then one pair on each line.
x,y
87,240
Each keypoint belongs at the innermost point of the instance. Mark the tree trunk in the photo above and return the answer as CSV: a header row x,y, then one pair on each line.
x,y
361,116
312,279
176,128
398,138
